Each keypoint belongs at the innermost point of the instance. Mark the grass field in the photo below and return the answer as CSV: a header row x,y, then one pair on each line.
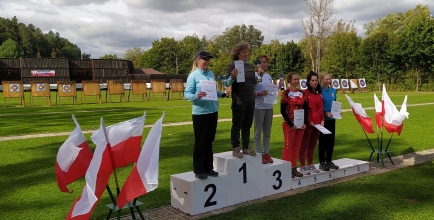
x,y
27,181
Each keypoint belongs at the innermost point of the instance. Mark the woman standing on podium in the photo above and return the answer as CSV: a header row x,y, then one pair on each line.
x,y
205,115
315,116
292,100
326,142
263,117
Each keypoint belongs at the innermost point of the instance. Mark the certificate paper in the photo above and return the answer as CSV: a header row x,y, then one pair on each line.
x,y
239,65
299,118
322,129
210,88
271,98
336,109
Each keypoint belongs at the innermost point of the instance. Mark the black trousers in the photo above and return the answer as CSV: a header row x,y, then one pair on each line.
x,y
242,120
326,142
205,127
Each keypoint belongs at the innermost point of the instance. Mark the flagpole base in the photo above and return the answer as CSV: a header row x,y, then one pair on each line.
x,y
129,205
380,156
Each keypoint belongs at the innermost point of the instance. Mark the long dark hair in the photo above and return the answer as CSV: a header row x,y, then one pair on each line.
x,y
310,88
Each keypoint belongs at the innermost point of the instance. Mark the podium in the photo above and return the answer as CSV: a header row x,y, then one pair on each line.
x,y
240,180
244,179
194,196
349,167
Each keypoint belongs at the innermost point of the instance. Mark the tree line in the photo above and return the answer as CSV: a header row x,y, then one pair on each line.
x,y
21,40
397,49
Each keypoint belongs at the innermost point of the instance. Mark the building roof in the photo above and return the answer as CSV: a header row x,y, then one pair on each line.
x,y
146,71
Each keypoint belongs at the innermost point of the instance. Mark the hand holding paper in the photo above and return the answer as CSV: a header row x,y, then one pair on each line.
x,y
322,129
336,110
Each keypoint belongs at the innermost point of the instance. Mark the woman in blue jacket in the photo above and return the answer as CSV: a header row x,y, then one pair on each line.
x,y
205,115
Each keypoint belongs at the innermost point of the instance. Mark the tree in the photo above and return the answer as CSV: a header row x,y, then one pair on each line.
x,y
134,54
110,57
162,56
320,19
416,42
188,47
376,54
342,58
85,56
231,37
10,49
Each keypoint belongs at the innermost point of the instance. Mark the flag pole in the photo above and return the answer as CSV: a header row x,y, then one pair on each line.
x,y
115,175
380,144
387,147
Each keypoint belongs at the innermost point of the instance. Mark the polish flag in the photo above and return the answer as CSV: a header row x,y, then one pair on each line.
x,y
378,112
144,176
124,139
393,119
97,177
73,158
361,116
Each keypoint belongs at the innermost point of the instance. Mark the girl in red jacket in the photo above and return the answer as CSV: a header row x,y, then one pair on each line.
x,y
292,99
315,116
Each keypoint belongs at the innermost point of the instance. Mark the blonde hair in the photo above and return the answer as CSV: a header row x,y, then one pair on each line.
x,y
238,48
194,67
289,77
321,77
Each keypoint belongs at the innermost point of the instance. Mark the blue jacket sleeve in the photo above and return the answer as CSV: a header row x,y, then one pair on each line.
x,y
190,92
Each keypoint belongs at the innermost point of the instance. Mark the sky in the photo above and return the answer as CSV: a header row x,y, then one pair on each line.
x,y
102,27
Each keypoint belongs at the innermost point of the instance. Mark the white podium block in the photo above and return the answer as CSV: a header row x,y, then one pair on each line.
x,y
194,196
313,178
298,182
276,177
244,176
349,167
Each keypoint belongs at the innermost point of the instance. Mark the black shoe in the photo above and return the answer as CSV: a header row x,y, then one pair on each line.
x,y
331,165
324,166
201,176
212,173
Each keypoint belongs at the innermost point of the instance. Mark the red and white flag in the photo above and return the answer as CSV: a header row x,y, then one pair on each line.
x,y
393,119
378,112
73,158
361,116
97,177
144,176
124,139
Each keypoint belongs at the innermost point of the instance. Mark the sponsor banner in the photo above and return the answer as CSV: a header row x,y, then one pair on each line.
x,y
43,73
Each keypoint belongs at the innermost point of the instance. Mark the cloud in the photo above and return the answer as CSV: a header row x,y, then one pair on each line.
x,y
77,2
100,27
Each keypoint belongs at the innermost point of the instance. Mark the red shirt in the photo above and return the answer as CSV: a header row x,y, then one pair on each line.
x,y
315,107
292,101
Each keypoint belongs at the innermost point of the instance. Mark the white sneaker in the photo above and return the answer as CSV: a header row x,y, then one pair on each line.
x,y
305,170
313,169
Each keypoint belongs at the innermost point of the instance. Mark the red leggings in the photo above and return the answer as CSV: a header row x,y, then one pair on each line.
x,y
292,143
308,143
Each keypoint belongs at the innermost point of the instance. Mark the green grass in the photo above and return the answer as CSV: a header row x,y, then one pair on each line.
x,y
27,180
400,194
